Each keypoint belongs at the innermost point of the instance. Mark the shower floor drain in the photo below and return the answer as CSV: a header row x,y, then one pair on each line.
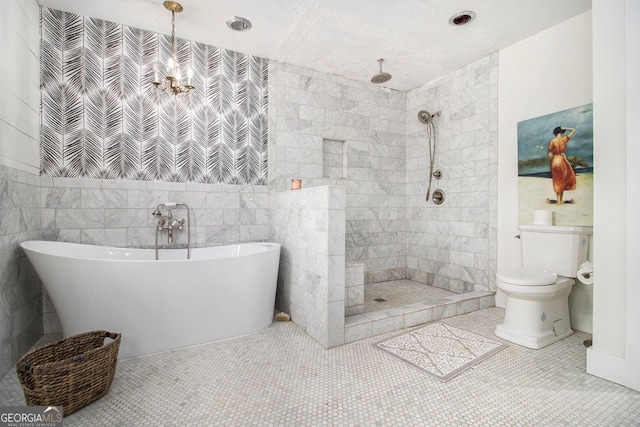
x,y
379,299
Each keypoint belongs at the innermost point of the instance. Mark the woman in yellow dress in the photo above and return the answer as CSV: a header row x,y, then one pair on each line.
x,y
562,174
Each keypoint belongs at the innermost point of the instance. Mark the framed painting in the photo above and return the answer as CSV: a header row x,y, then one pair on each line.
x,y
555,166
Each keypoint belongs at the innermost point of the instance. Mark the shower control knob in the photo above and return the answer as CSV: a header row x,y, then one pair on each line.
x,y
438,197
437,174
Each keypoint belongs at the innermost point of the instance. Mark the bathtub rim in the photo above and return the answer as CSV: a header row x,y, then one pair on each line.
x,y
31,245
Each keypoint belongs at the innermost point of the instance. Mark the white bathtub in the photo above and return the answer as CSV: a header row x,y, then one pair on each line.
x,y
221,292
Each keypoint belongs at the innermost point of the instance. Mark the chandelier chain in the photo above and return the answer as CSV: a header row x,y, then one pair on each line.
x,y
173,35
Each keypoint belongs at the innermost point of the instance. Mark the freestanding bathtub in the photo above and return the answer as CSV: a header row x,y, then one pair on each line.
x,y
158,305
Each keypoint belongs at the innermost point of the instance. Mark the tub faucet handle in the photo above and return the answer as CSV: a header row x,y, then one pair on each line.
x,y
162,223
177,224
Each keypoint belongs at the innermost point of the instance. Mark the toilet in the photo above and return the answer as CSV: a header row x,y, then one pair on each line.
x,y
537,303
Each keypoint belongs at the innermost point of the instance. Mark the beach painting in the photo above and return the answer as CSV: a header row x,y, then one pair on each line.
x,y
555,166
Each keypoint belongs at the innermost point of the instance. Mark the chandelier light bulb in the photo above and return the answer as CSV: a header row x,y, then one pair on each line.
x,y
172,82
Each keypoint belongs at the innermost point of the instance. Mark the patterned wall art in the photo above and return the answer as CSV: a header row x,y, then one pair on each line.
x,y
555,166
103,118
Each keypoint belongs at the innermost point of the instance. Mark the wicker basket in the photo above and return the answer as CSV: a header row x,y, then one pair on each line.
x,y
72,372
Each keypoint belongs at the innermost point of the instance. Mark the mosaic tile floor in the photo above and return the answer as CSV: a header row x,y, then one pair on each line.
x,y
280,376
397,293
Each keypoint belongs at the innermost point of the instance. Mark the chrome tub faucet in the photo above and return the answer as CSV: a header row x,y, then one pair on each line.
x,y
167,222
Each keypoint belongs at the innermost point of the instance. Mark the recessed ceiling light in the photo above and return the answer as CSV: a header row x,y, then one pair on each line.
x,y
239,24
462,18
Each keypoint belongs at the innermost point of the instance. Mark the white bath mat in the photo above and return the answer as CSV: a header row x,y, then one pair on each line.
x,y
441,350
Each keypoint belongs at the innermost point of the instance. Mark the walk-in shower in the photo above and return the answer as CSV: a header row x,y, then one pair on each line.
x,y
417,277
427,118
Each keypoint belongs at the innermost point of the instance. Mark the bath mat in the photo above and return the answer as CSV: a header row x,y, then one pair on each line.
x,y
441,350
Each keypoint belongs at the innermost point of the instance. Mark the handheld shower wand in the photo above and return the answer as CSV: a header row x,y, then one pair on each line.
x,y
427,118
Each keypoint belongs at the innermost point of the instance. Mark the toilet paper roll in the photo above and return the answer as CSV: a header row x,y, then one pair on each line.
x,y
585,273
543,217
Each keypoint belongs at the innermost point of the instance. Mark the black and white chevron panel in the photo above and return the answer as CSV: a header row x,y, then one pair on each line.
x,y
103,118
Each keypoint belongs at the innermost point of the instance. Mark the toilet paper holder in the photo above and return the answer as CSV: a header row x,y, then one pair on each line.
x,y
585,273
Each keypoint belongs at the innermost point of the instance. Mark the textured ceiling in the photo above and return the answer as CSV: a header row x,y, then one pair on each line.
x,y
346,37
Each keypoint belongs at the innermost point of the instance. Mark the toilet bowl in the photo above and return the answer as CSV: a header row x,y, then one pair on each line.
x,y
537,293
537,308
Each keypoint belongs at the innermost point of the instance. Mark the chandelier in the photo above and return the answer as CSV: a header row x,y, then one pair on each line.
x,y
173,80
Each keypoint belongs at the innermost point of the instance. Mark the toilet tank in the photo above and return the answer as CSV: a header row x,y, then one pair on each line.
x,y
560,249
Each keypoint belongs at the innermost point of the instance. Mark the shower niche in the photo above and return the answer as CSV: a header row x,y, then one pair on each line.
x,y
334,159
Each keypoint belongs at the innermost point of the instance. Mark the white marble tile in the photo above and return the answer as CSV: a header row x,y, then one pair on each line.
x,y
390,324
336,278
117,218
102,198
68,235
218,235
354,275
335,324
354,296
140,237
417,317
223,200
193,199
231,216
104,237
357,332
60,197
146,199
205,217
254,233
80,218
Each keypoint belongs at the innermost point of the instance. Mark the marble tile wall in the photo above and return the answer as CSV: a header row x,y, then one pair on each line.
x,y
307,110
453,246
118,212
20,288
354,289
310,225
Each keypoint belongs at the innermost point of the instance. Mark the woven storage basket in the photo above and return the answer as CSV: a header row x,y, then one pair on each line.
x,y
72,372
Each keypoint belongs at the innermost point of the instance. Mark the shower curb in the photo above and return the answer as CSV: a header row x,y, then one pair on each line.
x,y
380,322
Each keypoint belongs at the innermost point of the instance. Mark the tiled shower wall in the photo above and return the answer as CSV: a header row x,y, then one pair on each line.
x,y
310,115
453,246
309,223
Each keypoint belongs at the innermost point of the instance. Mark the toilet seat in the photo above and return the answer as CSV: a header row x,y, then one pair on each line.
x,y
527,277
531,281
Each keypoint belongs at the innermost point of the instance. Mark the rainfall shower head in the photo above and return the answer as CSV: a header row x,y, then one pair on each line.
x,y
380,77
